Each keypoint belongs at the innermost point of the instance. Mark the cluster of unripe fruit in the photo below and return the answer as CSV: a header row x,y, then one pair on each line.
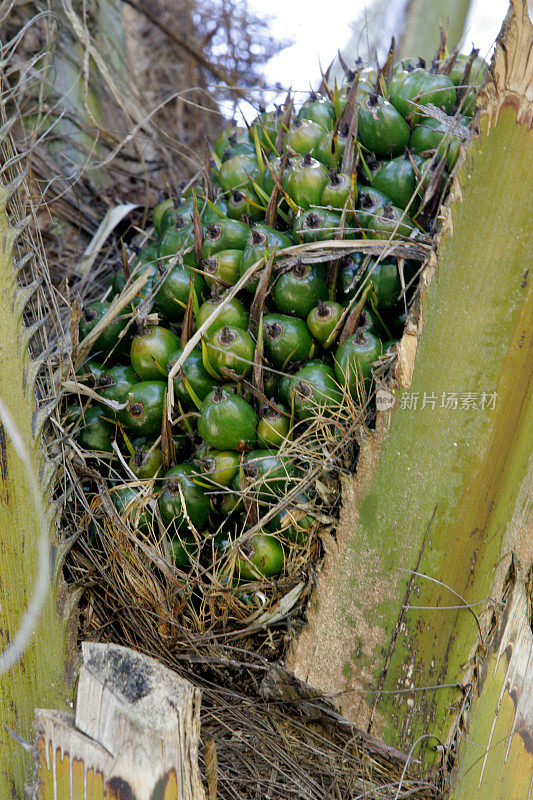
x,y
361,162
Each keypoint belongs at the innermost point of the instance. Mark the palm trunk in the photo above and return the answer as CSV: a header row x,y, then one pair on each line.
x,y
414,589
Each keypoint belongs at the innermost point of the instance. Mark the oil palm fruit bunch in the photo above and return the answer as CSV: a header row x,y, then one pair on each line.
x,y
262,324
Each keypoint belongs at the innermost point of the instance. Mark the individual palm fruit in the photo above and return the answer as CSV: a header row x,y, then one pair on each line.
x,y
386,284
176,239
230,348
298,290
227,422
243,206
287,339
150,351
238,171
226,234
322,320
420,87
337,190
222,269
114,383
240,148
133,508
109,339
314,390
259,556
293,523
146,460
159,210
331,147
138,268
354,359
304,181
381,128
303,136
229,137
267,182
267,126
350,278
97,432
193,382
432,135
390,221
315,225
144,411
266,474
398,180
319,110
182,548
220,466
173,294
183,502
233,313
261,240
475,78
274,424
371,201
369,323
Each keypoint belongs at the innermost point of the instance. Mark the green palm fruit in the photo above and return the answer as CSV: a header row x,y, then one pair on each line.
x,y
238,149
305,180
229,137
431,135
183,502
267,181
222,269
114,383
354,359
150,350
238,171
133,508
173,294
261,239
297,291
351,271
97,432
193,380
176,239
110,338
331,147
230,348
371,201
243,206
158,212
420,87
303,136
146,461
319,110
259,556
397,179
273,426
475,79
182,549
315,225
227,422
221,466
233,313
144,411
389,221
381,128
314,390
322,320
385,280
292,523
226,234
266,474
286,339
337,190
267,126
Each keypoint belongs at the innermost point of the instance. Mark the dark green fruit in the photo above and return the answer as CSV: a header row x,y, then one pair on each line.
x,y
230,348
173,295
314,390
182,549
132,508
221,466
261,239
318,110
222,269
322,320
389,221
305,180
350,277
176,239
97,433
385,280
397,179
337,191
303,136
192,379
109,339
260,555
240,207
286,339
233,313
430,135
114,383
381,128
421,87
146,461
266,474
293,524
227,422
159,210
227,234
297,291
229,138
144,413
354,359
330,148
315,225
267,126
371,201
183,502
150,351
273,426
237,172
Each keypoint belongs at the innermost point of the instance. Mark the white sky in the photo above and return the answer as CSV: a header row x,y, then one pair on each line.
x,y
319,29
